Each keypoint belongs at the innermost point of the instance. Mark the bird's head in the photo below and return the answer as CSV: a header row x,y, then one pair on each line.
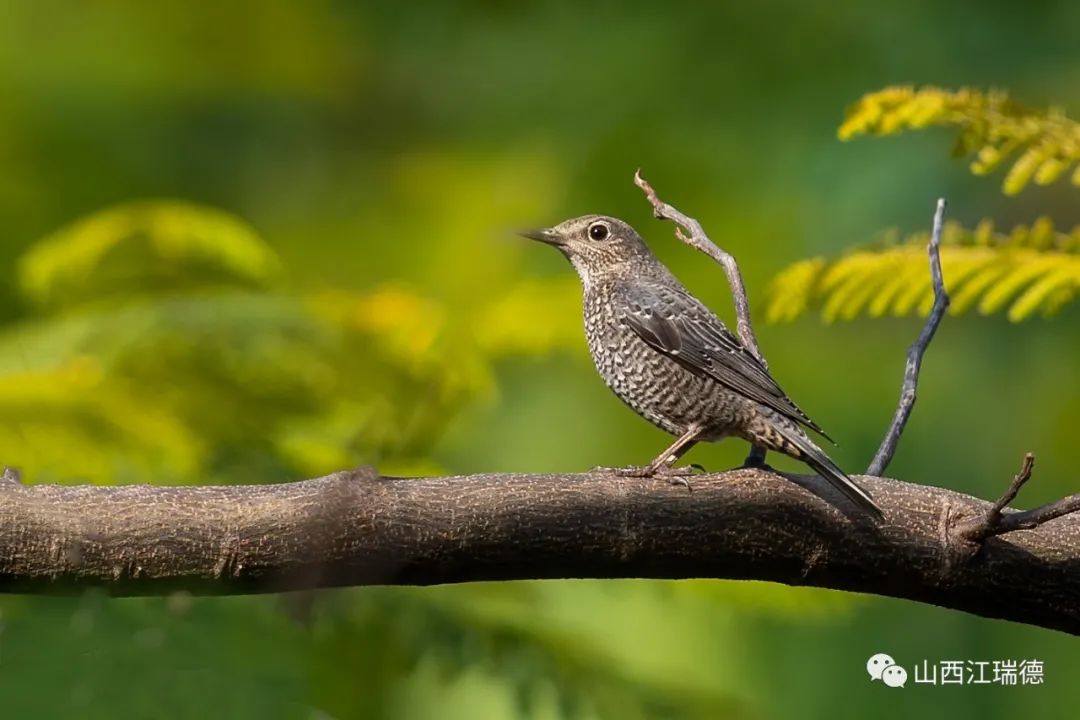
x,y
595,243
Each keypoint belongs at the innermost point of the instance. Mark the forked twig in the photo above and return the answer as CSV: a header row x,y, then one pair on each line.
x,y
997,522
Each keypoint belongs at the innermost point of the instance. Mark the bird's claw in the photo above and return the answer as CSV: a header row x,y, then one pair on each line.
x,y
674,475
679,475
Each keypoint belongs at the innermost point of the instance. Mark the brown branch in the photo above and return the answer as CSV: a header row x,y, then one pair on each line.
x,y
997,522
915,352
357,528
698,240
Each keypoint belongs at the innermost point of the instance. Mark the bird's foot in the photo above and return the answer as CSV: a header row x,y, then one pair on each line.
x,y
674,475
680,475
755,463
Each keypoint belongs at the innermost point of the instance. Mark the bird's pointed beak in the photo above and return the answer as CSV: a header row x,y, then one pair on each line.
x,y
544,235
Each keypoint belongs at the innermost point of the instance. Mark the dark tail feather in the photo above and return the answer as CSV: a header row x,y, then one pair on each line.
x,y
819,461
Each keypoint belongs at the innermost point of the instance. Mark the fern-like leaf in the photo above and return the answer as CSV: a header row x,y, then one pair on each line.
x,y
144,248
1026,271
993,128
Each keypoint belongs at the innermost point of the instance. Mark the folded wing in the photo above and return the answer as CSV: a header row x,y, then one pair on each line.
x,y
677,325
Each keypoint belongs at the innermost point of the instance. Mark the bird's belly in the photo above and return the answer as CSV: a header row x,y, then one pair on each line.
x,y
664,392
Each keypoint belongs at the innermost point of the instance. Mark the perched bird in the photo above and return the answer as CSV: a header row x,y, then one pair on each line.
x,y
673,360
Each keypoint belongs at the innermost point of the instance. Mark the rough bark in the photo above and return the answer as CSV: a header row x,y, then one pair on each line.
x,y
357,528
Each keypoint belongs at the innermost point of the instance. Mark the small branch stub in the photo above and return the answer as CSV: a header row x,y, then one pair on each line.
x,y
997,522
993,517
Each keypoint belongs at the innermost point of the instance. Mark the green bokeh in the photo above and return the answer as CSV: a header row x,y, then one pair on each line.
x,y
387,148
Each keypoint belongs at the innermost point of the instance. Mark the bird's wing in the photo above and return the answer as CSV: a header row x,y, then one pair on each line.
x,y
678,326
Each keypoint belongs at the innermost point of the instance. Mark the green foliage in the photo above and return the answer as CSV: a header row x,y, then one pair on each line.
x,y
73,422
164,350
1044,144
764,599
532,318
145,247
242,656
493,628
1027,271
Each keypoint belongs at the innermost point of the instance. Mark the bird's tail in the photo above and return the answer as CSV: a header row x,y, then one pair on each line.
x,y
816,458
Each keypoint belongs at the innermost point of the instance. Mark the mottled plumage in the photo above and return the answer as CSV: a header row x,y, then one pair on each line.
x,y
672,359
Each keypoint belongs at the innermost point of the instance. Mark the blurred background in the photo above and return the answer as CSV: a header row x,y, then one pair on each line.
x,y
259,241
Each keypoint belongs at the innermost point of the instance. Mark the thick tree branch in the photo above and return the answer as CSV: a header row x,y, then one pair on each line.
x,y
356,528
915,352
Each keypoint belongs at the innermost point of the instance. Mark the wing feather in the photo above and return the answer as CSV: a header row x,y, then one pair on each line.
x,y
679,326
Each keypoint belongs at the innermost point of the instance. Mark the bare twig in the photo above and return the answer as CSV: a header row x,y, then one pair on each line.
x,y
995,521
689,231
993,517
1029,519
915,352
699,240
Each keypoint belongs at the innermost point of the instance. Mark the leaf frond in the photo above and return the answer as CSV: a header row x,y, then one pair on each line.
x,y
1027,271
1043,145
145,247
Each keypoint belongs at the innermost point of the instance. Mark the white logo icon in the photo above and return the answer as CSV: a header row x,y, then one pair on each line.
x,y
877,663
882,667
894,676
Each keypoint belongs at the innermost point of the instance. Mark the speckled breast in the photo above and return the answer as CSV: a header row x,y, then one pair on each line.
x,y
656,387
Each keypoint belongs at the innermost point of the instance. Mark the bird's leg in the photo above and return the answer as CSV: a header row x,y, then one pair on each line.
x,y
682,445
756,458
662,465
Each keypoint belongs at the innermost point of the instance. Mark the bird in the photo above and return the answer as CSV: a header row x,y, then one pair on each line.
x,y
673,361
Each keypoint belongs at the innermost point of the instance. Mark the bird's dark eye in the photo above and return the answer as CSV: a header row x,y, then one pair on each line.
x,y
598,231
